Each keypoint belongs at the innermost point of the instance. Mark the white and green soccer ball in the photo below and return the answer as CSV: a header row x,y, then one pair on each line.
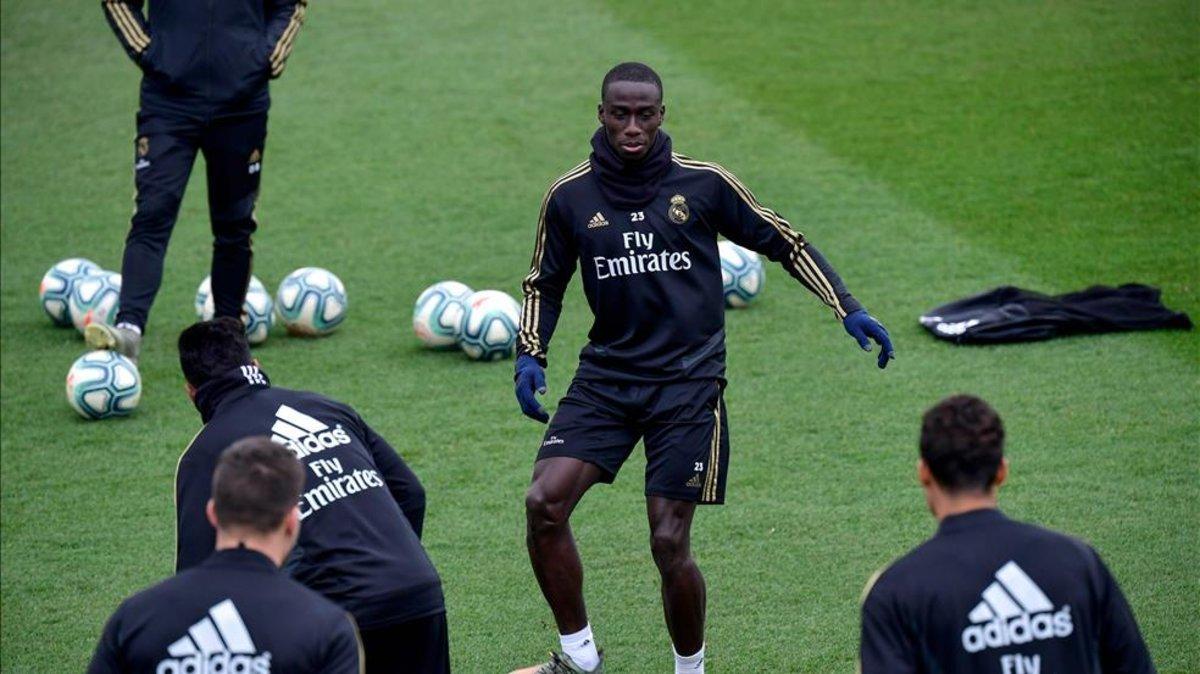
x,y
742,274
94,299
439,313
258,313
103,384
489,330
311,301
55,289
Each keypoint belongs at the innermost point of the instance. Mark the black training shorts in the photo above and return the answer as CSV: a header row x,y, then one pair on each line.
x,y
683,425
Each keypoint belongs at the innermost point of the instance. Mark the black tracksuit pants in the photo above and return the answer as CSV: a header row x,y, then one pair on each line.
x,y
164,153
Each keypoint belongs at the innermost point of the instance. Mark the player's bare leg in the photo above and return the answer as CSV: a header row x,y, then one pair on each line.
x,y
683,588
558,485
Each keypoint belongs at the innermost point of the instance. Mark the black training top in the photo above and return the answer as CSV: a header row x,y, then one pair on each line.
x,y
361,509
234,613
206,59
645,237
990,595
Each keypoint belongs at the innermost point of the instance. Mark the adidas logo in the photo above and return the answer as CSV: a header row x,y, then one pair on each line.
x,y
695,482
553,440
303,434
218,643
597,221
253,375
1014,610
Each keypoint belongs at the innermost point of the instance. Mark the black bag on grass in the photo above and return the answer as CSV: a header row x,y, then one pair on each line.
x,y
1010,314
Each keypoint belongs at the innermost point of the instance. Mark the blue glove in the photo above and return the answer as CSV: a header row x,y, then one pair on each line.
x,y
863,327
531,380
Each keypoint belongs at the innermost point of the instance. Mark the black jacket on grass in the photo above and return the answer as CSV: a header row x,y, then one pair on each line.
x,y
235,612
989,595
1011,314
203,58
361,511
645,238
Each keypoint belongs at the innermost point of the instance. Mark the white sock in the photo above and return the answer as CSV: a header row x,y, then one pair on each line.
x,y
581,646
129,326
689,664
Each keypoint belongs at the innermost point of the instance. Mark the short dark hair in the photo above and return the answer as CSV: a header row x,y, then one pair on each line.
x,y
256,484
631,71
962,443
209,349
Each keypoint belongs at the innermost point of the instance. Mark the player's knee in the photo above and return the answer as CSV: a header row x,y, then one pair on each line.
x,y
233,238
669,546
543,510
153,222
234,223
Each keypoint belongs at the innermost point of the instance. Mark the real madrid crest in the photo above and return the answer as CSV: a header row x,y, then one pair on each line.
x,y
143,146
678,212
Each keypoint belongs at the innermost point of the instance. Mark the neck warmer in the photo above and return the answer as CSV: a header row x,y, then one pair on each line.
x,y
625,184
214,391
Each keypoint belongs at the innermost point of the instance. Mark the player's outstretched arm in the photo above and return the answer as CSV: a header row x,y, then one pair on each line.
x,y
748,223
127,21
553,264
284,19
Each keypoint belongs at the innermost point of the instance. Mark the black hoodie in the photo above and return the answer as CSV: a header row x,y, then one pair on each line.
x,y
361,510
644,235
207,58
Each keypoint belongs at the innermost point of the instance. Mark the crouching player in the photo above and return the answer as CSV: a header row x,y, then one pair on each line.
x,y
362,508
988,594
235,612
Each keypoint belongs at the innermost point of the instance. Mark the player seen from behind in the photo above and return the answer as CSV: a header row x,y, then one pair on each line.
x,y
205,73
362,509
235,611
642,223
988,594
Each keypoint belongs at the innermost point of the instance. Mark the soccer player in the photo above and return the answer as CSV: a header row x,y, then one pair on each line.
x,y
988,594
361,507
642,223
205,73
236,612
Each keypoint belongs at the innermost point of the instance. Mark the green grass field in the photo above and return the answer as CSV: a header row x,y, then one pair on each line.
x,y
931,149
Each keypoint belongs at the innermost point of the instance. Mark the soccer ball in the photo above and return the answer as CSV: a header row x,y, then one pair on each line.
x,y
94,299
742,274
258,313
489,330
103,384
204,302
438,315
311,301
57,284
